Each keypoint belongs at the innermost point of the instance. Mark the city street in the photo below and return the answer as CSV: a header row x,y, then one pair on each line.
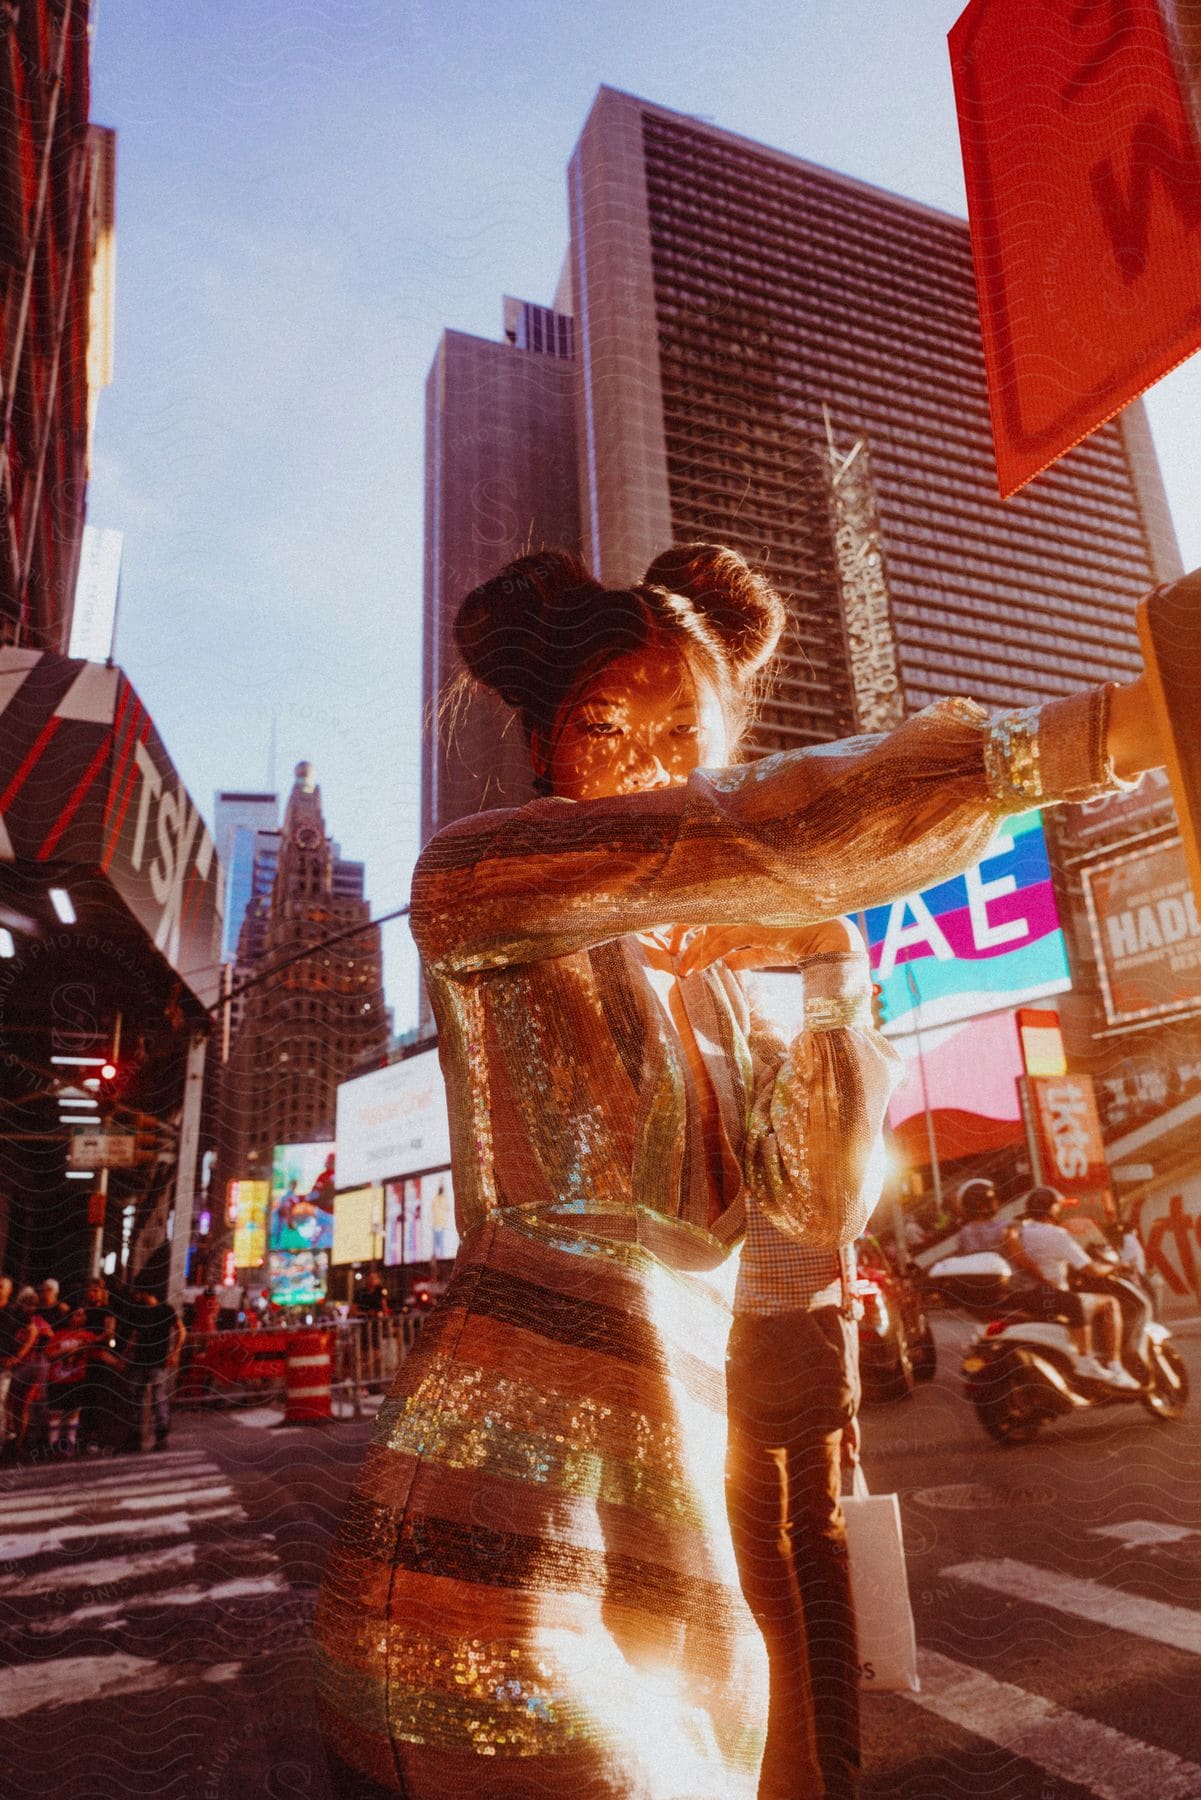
x,y
155,1611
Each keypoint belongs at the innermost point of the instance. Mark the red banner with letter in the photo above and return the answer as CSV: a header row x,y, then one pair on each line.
x,y
1070,1144
1080,122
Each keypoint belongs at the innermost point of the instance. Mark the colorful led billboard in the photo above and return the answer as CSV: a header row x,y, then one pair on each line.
x,y
393,1122
984,942
297,1277
249,1202
302,1197
420,1220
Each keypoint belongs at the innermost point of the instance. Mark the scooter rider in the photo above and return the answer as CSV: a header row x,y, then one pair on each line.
x,y
981,1230
1046,1251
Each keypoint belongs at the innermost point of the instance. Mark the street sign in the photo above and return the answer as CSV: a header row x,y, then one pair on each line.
x,y
102,1150
1082,156
1071,1148
1169,628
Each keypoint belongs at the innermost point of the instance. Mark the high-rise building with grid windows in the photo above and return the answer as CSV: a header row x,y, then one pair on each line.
x,y
743,320
750,348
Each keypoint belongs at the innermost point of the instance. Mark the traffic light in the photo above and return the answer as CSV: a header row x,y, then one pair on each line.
x,y
111,1081
879,1006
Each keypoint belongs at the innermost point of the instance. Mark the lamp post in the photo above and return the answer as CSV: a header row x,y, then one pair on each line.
x,y
931,1141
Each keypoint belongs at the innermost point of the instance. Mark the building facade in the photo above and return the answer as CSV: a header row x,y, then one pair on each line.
x,y
322,1016
57,176
500,478
744,321
240,821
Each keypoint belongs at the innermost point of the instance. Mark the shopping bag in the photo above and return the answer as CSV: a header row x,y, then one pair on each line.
x,y
880,1591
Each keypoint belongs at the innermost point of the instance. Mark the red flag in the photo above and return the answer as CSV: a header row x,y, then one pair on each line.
x,y
1079,121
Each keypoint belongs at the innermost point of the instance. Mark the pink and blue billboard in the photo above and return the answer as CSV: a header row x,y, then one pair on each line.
x,y
988,940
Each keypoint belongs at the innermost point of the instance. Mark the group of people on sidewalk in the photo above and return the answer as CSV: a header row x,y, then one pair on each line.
x,y
76,1378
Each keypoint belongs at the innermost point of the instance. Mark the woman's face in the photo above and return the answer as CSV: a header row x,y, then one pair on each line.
x,y
646,720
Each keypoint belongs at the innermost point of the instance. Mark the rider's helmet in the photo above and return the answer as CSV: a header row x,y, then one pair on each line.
x,y
977,1199
1042,1201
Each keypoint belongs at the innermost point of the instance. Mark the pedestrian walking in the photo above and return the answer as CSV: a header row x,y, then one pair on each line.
x,y
15,1338
535,1588
51,1309
28,1417
100,1401
153,1356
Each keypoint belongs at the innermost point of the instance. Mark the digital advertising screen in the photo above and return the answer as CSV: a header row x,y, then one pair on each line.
x,y
420,1220
392,1122
297,1277
987,940
249,1203
302,1197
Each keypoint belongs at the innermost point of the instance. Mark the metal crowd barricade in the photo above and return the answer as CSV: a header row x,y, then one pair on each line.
x,y
241,1368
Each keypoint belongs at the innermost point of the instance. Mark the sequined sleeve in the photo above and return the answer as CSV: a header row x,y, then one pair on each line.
x,y
806,835
814,1151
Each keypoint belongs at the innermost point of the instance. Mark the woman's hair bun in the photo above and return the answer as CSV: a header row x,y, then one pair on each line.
x,y
505,627
740,607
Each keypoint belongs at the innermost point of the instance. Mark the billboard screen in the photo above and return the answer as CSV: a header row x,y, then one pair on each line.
x,y
1146,933
962,1090
984,942
297,1277
393,1122
359,1225
420,1220
302,1197
249,1202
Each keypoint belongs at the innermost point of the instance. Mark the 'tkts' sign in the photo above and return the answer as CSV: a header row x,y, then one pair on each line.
x,y
1069,1133
1080,129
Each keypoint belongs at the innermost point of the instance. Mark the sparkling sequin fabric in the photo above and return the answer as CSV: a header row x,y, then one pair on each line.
x,y
533,1592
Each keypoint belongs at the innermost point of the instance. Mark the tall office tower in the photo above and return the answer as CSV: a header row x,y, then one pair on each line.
x,y
239,820
500,478
307,1028
56,267
744,320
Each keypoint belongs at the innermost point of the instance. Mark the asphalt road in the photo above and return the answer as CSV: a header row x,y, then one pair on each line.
x,y
154,1611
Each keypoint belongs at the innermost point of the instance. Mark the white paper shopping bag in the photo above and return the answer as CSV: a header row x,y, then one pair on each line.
x,y
880,1590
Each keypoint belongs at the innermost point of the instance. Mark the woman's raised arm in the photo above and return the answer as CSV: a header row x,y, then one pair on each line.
x,y
795,838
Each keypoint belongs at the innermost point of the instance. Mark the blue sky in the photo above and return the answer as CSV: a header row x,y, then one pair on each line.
x,y
307,194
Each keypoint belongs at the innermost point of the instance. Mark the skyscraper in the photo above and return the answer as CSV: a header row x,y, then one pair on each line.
x,y
744,320
239,821
308,1027
500,479
776,356
57,184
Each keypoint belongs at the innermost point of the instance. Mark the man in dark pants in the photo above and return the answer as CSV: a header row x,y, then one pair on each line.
x,y
793,1383
793,1369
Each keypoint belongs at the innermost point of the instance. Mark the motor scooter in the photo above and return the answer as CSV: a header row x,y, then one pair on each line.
x,y
1021,1371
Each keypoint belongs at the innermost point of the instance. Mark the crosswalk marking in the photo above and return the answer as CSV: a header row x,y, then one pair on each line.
x,y
125,1500
1069,1746
1136,1533
156,1464
1081,1598
45,1543
116,1612
102,1574
84,1678
85,1508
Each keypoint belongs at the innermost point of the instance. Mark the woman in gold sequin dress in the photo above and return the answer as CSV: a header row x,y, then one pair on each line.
x,y
534,1592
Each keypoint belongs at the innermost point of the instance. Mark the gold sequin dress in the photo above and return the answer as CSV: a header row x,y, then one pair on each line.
x,y
533,1592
